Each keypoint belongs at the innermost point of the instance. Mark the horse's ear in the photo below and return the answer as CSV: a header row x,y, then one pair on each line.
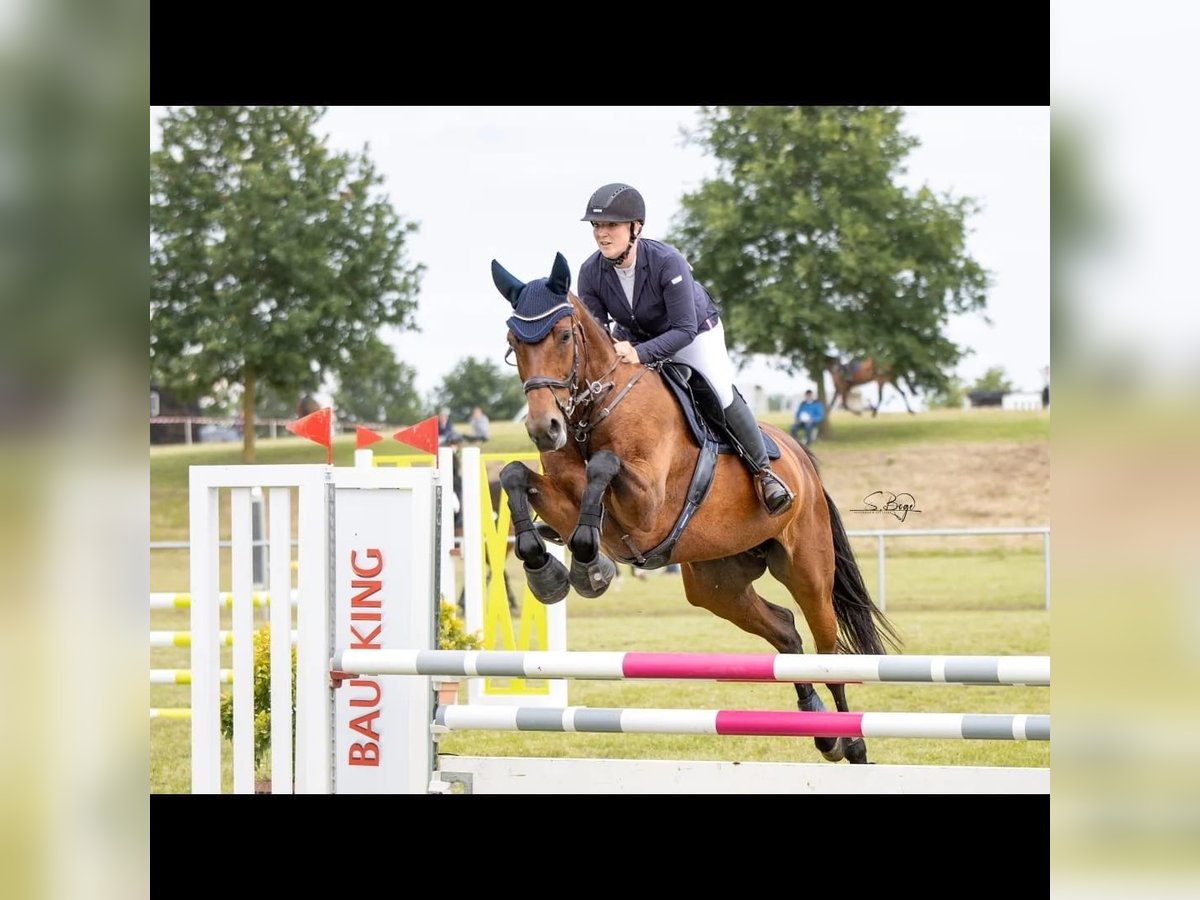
x,y
507,285
560,275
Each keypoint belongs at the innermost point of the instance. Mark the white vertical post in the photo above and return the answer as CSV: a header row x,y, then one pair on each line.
x,y
445,465
206,623
281,645
313,643
472,541
241,553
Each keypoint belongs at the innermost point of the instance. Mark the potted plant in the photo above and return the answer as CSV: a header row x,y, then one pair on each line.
x,y
452,635
262,704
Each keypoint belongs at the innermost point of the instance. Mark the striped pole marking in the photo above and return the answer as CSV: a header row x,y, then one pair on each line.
x,y
791,667
184,638
183,599
768,723
183,676
177,713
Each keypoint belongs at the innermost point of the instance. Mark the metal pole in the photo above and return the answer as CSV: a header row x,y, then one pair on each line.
x,y
881,593
1046,560
259,553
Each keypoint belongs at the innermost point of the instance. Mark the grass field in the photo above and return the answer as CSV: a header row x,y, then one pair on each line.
x,y
946,596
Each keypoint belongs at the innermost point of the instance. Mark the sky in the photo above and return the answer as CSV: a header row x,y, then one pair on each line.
x,y
511,183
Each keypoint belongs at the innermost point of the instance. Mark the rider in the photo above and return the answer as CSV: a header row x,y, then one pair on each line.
x,y
646,288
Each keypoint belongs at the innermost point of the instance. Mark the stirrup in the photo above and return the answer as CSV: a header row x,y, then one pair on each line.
x,y
759,484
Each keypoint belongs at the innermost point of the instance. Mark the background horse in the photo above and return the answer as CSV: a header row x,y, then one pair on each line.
x,y
618,458
862,371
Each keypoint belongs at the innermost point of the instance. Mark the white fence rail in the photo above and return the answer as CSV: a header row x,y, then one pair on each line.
x,y
882,534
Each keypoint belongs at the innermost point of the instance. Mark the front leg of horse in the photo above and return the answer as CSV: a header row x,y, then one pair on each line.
x,y
591,570
546,576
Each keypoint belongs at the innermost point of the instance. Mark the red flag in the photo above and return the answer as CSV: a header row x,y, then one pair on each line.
x,y
423,435
364,437
315,427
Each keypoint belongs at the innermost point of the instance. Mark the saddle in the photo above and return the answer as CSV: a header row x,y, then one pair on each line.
x,y
699,402
702,409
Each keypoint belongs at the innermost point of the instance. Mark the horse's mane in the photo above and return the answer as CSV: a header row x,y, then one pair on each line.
x,y
595,335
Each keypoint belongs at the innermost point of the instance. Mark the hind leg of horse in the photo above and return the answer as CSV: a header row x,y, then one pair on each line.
x,y
592,571
724,587
810,582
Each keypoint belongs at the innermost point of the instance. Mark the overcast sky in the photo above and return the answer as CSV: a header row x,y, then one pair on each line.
x,y
511,183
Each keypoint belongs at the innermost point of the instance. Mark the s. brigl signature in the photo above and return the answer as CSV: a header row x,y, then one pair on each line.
x,y
898,505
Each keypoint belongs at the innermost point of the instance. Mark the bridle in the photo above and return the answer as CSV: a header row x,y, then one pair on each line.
x,y
581,394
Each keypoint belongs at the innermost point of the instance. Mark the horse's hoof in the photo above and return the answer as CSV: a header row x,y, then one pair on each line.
x,y
834,752
592,579
549,583
856,751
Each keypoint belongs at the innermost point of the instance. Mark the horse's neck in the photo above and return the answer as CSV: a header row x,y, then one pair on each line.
x,y
600,355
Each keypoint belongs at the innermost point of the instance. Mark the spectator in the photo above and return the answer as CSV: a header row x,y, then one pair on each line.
x,y
479,426
306,406
447,435
809,414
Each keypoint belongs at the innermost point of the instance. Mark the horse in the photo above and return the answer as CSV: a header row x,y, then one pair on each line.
x,y
618,461
863,371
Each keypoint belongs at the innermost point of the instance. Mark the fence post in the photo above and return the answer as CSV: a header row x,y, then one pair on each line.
x,y
882,592
259,544
1046,561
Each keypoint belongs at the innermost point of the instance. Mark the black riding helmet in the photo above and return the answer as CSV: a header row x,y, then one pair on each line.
x,y
616,202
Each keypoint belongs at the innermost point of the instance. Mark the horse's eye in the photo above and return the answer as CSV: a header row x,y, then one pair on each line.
x,y
564,336
509,355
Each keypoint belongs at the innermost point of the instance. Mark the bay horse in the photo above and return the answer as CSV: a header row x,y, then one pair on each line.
x,y
618,461
862,371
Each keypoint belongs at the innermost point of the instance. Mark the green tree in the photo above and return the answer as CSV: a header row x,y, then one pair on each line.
x,y
949,397
376,387
993,379
810,245
272,259
483,384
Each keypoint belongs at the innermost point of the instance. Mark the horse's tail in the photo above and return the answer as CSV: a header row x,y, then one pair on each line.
x,y
862,626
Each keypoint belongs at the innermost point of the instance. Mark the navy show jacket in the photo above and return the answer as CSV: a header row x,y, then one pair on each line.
x,y
669,307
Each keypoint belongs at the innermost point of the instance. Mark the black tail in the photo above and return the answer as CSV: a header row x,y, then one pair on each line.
x,y
862,626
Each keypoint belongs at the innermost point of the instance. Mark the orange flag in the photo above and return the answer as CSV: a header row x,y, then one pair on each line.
x,y
423,435
364,437
315,427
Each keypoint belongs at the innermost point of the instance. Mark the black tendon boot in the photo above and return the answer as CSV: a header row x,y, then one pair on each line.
x,y
772,491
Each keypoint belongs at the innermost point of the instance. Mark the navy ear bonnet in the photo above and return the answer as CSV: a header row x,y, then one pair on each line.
x,y
538,304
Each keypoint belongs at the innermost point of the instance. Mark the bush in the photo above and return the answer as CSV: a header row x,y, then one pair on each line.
x,y
262,696
452,632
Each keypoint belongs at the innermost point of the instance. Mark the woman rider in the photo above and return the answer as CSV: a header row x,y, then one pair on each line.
x,y
646,288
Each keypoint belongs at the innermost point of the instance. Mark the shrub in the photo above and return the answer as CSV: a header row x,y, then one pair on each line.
x,y
452,632
262,696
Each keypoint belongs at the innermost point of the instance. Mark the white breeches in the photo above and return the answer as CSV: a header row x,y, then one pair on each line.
x,y
707,354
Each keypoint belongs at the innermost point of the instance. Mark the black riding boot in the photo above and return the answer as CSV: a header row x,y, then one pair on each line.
x,y
772,491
